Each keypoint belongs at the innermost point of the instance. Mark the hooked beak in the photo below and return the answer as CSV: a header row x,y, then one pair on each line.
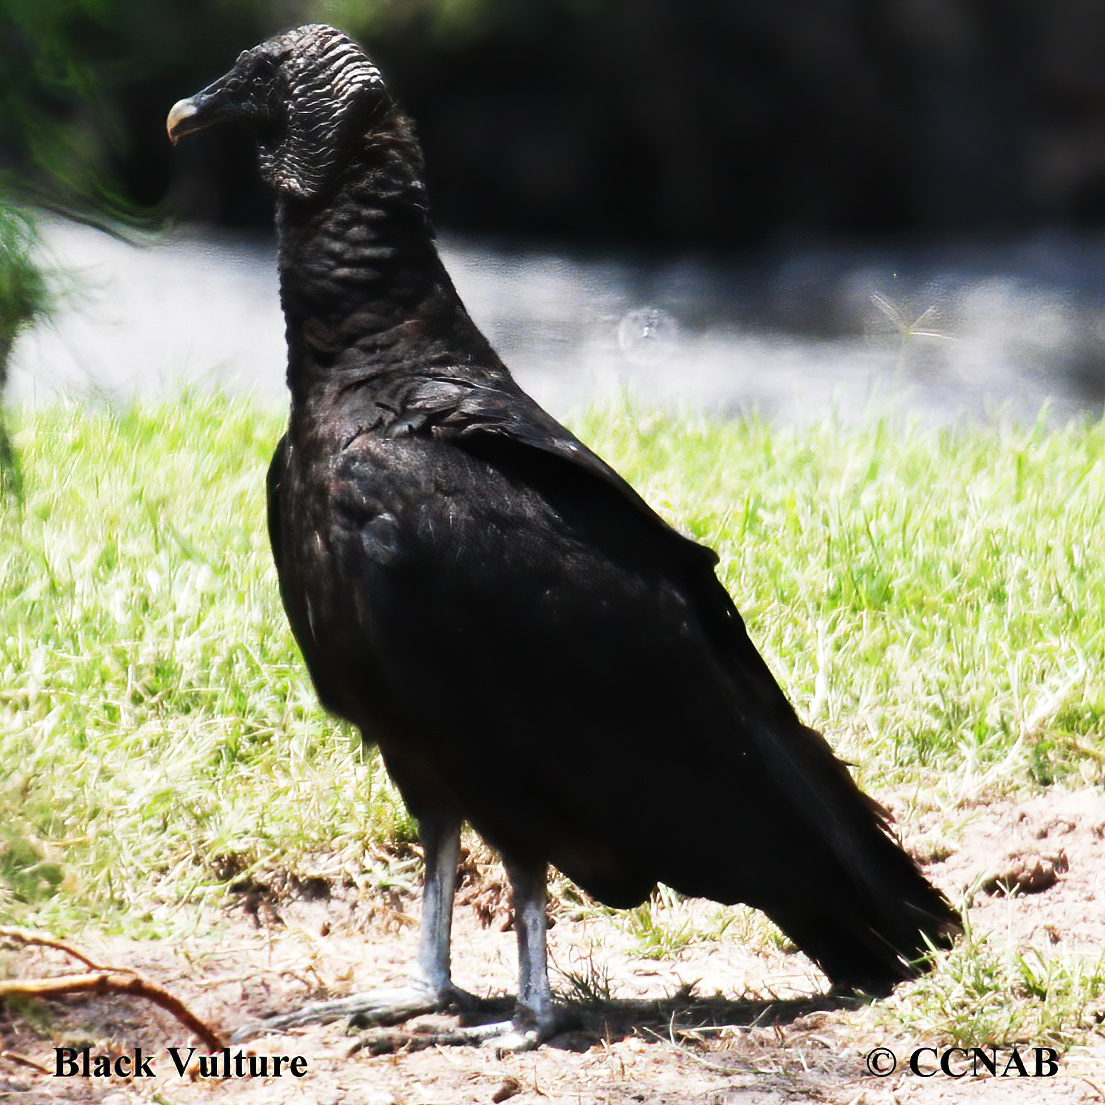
x,y
215,103
185,118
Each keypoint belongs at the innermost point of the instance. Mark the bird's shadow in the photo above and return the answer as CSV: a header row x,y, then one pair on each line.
x,y
587,1023
683,1015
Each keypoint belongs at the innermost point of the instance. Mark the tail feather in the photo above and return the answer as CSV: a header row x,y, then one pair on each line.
x,y
826,867
857,904
866,941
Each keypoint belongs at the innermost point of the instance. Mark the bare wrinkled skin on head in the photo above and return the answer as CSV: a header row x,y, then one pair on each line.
x,y
297,91
325,76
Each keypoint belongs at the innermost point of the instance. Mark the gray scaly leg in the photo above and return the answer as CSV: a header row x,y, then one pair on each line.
x,y
430,988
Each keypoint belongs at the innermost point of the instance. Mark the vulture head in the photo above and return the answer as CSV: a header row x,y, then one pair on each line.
x,y
299,93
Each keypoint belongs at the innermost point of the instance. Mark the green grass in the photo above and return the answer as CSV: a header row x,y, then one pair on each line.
x,y
981,993
933,600
155,719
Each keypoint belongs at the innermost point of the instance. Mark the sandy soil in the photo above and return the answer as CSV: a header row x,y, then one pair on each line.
x,y
711,1023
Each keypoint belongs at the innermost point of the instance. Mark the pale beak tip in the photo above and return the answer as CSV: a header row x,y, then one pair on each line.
x,y
176,124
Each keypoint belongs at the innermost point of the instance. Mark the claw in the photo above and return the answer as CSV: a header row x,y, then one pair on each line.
x,y
370,1009
513,1039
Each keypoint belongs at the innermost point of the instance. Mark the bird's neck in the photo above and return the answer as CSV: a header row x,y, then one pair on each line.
x,y
364,292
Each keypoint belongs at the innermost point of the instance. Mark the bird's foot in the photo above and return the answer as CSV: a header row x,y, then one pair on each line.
x,y
368,1009
529,1028
523,1033
510,1036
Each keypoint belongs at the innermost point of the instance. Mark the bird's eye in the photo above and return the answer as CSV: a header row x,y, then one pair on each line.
x,y
263,67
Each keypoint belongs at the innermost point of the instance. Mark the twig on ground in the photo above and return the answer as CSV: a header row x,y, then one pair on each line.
x,y
23,1060
39,939
102,980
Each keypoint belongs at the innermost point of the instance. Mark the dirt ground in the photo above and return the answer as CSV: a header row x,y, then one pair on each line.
x,y
710,1023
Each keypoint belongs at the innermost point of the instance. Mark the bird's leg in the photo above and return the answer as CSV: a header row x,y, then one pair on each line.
x,y
440,836
535,1018
430,988
531,924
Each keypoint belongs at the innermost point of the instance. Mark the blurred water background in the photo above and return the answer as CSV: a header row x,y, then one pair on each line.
x,y
935,331
823,205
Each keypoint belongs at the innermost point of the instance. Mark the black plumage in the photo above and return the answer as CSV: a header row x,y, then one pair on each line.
x,y
532,648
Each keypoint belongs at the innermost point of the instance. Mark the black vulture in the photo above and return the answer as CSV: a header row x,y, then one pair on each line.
x,y
531,647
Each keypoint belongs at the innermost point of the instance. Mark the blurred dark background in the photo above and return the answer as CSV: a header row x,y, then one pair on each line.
x,y
668,123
